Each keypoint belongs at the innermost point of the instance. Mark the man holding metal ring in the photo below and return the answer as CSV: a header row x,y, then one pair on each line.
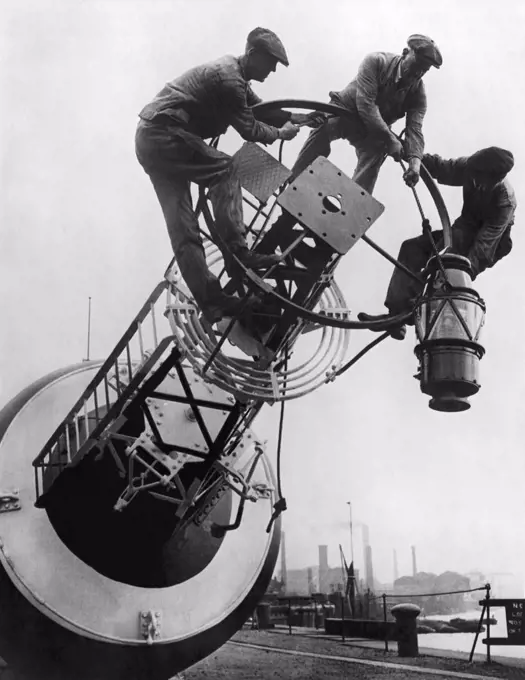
x,y
387,87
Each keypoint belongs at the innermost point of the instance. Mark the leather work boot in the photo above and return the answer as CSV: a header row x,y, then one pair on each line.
x,y
254,260
398,333
223,305
232,306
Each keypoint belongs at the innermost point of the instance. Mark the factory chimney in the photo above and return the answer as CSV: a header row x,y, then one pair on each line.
x,y
414,565
323,568
396,570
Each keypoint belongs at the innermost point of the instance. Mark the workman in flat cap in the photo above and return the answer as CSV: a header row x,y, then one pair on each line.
x,y
198,105
481,233
387,87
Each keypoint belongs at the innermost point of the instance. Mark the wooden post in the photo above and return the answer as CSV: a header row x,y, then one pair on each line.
x,y
385,620
487,597
342,617
289,616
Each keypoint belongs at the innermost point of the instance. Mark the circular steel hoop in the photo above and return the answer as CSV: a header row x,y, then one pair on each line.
x,y
324,319
242,377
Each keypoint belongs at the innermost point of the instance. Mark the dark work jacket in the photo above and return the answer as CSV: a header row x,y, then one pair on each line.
x,y
486,217
378,98
209,98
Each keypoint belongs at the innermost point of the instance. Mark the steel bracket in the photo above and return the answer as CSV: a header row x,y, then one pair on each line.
x,y
150,624
331,205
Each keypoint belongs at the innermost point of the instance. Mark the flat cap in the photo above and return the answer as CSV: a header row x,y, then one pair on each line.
x,y
266,41
425,47
491,161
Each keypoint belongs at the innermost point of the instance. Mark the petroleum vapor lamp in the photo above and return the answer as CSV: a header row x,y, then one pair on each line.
x,y
448,320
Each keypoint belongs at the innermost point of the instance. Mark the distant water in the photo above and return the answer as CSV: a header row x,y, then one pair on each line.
x,y
462,642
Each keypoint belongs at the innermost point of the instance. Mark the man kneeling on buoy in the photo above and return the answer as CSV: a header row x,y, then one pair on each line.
x,y
481,233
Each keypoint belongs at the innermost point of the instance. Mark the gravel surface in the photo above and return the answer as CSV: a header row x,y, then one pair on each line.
x,y
244,663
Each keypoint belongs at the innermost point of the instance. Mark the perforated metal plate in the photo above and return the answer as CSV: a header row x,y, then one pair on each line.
x,y
260,173
324,200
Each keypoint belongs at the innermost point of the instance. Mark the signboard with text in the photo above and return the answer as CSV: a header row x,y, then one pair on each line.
x,y
514,615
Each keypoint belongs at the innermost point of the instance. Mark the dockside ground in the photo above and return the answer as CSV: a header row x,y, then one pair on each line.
x,y
311,655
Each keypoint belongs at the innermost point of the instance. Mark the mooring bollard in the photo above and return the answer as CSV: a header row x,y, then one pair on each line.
x,y
264,616
406,628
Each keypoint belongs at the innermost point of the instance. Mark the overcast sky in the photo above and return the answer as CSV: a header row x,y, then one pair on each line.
x,y
79,218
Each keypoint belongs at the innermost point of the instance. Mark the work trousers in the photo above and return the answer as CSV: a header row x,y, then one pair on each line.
x,y
371,151
415,253
173,158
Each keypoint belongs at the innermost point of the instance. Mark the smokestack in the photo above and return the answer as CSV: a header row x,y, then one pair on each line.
x,y
414,565
366,558
369,568
311,588
396,570
323,568
283,562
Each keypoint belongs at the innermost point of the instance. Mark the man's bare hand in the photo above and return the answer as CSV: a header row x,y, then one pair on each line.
x,y
288,131
395,149
312,120
411,177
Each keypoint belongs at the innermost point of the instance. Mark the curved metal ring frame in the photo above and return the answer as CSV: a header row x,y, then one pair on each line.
x,y
320,318
249,380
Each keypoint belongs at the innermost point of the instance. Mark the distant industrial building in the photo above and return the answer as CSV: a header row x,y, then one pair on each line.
x,y
320,578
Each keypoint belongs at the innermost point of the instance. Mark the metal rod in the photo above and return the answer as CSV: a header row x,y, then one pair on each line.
x,y
294,244
258,208
128,361
95,399
154,324
117,376
205,403
89,328
141,342
391,259
480,622
68,443
420,207
360,354
106,392
86,421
